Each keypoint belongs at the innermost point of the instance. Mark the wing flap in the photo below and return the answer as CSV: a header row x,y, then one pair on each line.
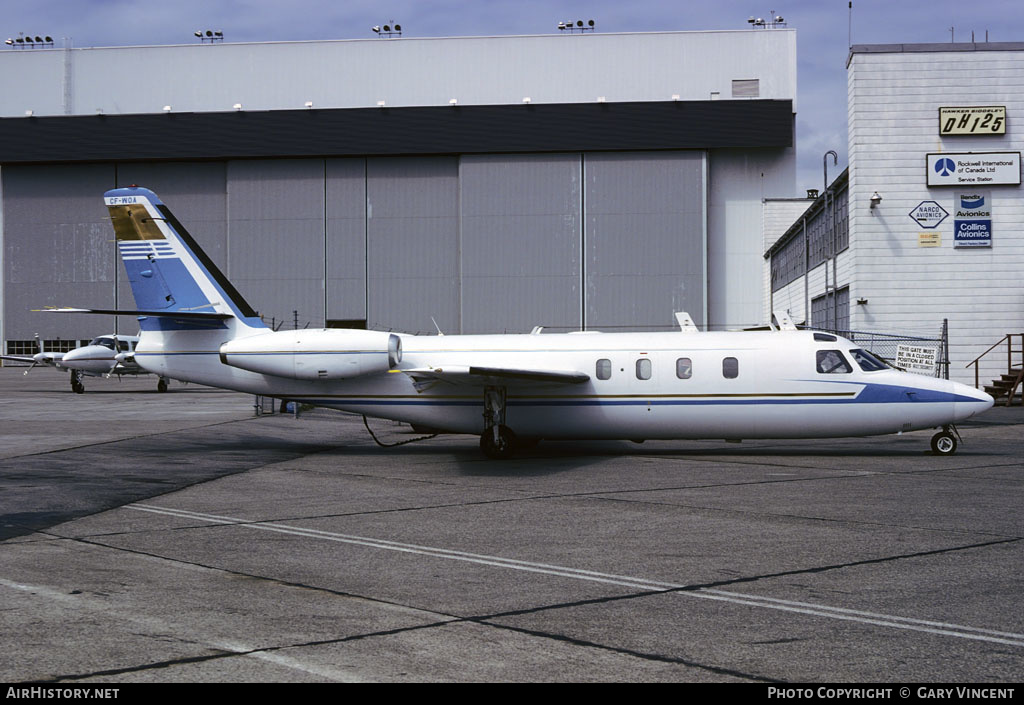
x,y
477,376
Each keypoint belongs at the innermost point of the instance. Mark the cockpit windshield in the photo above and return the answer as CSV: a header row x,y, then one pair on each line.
x,y
867,361
111,343
832,362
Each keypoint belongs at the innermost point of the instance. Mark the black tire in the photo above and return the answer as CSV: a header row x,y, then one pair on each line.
x,y
503,448
944,443
161,386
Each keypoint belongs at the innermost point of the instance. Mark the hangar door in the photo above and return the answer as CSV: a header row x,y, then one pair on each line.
x,y
479,243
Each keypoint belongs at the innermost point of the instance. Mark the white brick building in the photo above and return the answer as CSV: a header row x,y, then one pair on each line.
x,y
897,272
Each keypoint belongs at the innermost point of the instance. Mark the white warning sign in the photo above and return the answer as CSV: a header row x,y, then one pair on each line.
x,y
916,358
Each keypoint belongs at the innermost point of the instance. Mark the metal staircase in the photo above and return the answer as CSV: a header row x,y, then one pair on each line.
x,y
1011,380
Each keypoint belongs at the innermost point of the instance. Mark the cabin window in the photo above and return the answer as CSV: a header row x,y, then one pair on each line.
x,y
643,368
684,368
604,369
867,361
832,362
730,368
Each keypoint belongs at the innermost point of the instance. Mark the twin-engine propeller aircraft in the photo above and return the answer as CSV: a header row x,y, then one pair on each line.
x,y
512,389
104,356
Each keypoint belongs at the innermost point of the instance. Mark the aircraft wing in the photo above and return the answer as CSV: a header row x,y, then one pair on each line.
x,y
45,359
15,358
473,376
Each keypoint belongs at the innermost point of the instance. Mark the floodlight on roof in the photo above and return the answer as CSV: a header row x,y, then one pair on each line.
x,y
577,26
391,29
209,35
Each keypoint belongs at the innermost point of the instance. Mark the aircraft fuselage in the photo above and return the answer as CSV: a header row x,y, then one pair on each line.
x,y
654,386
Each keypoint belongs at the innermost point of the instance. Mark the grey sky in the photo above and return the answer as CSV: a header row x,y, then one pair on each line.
x,y
822,32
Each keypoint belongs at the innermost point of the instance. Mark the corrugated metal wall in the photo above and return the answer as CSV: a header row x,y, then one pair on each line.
x,y
521,239
409,71
645,238
480,243
57,249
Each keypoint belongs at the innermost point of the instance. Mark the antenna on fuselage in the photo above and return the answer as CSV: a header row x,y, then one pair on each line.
x,y
686,323
436,326
783,321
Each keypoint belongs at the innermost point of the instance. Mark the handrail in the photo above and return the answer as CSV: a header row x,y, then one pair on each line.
x,y
1008,339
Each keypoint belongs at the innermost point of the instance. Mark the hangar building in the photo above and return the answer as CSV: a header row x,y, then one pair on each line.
x,y
928,222
588,181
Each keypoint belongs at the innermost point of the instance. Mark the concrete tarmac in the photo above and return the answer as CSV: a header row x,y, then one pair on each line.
x,y
175,537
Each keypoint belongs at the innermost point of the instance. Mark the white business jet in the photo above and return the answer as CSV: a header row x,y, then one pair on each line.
x,y
513,389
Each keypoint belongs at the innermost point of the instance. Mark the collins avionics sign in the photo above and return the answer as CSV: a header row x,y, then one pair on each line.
x,y
972,222
974,169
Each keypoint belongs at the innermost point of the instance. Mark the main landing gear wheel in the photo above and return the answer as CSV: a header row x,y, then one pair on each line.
x,y
944,443
498,442
76,382
161,386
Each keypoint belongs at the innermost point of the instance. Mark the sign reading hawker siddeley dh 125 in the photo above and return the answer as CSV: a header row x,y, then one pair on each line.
x,y
973,169
972,219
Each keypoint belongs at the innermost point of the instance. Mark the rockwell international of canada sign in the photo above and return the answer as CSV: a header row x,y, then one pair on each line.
x,y
973,169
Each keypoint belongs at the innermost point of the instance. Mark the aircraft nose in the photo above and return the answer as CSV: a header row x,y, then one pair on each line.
x,y
76,354
88,358
969,401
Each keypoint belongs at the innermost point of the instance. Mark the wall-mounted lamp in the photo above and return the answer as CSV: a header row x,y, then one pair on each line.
x,y
453,101
875,200
237,107
309,104
167,108
862,302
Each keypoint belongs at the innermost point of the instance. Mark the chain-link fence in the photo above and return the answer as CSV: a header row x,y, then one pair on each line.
x,y
886,345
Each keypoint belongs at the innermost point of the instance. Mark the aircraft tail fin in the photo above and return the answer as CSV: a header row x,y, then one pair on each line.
x,y
168,271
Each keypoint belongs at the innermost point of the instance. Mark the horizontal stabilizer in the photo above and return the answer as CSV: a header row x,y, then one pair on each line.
x,y
180,315
495,376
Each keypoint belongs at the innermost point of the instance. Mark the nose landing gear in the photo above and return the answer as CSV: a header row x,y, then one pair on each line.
x,y
945,441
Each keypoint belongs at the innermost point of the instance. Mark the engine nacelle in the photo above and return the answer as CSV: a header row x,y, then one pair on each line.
x,y
332,353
